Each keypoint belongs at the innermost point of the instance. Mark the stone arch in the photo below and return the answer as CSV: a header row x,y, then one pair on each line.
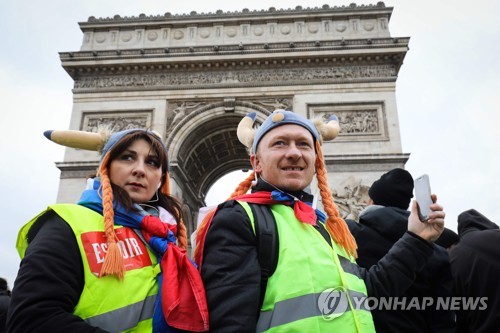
x,y
203,147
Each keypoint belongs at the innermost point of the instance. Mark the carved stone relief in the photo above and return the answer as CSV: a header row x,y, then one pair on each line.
x,y
115,121
276,103
351,197
152,36
218,29
258,31
100,37
284,75
312,28
363,120
180,110
126,37
231,32
341,26
383,23
229,104
299,27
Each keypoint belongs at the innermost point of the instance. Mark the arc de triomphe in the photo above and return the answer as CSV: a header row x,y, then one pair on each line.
x,y
193,77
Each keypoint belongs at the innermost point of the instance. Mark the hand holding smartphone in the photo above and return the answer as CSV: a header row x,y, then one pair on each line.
x,y
423,197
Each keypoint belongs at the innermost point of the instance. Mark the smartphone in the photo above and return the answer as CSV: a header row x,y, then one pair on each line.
x,y
423,197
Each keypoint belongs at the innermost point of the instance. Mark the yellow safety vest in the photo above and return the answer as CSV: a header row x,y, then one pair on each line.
x,y
314,286
109,303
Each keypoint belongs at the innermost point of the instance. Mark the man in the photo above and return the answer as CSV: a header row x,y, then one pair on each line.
x,y
315,268
475,266
381,224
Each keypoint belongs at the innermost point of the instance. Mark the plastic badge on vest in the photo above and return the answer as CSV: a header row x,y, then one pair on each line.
x,y
134,252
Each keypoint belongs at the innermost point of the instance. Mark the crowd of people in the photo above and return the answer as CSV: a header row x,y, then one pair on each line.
x,y
266,260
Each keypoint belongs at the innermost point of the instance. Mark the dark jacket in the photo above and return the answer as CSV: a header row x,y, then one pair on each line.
x,y
4,306
475,265
231,271
52,274
379,228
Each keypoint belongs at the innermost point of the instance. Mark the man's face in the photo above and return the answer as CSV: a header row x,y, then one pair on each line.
x,y
285,157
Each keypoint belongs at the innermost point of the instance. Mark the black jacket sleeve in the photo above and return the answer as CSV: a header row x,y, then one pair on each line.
x,y
49,282
396,271
440,283
231,271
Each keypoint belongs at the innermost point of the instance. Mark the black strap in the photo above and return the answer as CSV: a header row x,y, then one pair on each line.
x,y
267,241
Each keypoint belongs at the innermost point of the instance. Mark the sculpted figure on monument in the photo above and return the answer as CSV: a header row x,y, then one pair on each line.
x,y
362,121
181,110
351,198
115,124
277,104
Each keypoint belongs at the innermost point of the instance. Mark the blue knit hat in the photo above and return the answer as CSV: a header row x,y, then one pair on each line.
x,y
116,137
101,142
282,117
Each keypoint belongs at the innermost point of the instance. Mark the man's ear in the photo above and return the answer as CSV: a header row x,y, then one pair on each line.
x,y
254,160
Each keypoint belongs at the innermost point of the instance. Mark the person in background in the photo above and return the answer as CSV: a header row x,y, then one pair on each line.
x,y
4,303
105,264
315,252
381,224
475,266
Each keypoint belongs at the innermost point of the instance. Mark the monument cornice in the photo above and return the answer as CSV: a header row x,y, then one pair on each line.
x,y
334,53
365,158
194,53
364,162
235,31
77,169
353,62
245,14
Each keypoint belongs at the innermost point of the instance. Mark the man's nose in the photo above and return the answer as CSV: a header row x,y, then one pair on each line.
x,y
293,151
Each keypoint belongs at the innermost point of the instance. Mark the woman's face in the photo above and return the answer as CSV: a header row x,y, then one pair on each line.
x,y
137,170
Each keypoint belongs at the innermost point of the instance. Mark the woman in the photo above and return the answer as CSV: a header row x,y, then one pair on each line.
x,y
95,266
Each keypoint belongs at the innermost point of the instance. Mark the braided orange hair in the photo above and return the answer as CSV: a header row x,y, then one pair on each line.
x,y
113,261
241,189
334,223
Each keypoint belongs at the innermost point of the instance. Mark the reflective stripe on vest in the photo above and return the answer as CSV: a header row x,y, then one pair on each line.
x,y
302,307
349,267
122,319
309,267
109,303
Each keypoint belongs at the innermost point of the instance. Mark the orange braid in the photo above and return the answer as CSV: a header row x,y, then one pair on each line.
x,y
334,223
200,237
166,185
241,189
182,235
113,261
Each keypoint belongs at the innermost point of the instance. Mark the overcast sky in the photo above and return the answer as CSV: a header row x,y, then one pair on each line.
x,y
447,96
